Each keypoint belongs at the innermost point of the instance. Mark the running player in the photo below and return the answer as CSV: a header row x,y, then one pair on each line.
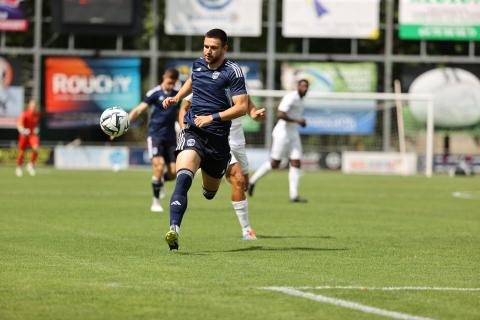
x,y
286,141
27,126
237,171
219,95
161,140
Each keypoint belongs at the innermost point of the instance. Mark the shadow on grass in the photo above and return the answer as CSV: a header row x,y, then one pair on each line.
x,y
261,236
262,248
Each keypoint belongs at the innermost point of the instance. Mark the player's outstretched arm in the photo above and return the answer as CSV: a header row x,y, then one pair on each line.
x,y
239,108
183,110
253,112
142,106
286,117
184,91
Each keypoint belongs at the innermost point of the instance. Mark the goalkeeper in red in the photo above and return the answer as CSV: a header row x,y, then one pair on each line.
x,y
27,126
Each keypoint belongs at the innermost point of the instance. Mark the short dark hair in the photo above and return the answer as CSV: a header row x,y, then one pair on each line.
x,y
218,34
171,73
303,80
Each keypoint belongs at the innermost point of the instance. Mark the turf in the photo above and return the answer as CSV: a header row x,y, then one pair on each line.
x,y
83,245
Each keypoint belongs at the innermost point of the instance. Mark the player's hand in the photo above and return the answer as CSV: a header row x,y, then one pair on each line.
x,y
112,138
169,101
201,121
24,131
302,122
257,114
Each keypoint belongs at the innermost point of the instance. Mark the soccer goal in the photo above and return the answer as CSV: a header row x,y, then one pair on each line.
x,y
361,124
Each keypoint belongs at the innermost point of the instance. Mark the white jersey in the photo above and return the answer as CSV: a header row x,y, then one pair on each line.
x,y
292,105
286,142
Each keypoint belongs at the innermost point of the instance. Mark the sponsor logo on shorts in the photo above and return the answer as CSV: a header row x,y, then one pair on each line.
x,y
190,142
215,75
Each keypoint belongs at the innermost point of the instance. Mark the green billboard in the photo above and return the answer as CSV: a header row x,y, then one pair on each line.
x,y
439,20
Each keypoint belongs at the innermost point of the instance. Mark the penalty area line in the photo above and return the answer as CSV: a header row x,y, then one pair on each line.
x,y
406,288
345,303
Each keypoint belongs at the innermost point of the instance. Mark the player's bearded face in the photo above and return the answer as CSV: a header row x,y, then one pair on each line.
x,y
213,51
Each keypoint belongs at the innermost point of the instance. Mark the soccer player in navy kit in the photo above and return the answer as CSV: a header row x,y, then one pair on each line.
x,y
219,95
161,139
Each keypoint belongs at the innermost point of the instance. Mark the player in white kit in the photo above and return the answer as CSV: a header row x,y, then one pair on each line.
x,y
286,142
237,171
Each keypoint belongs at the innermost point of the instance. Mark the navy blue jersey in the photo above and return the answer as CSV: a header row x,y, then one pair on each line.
x,y
213,91
162,121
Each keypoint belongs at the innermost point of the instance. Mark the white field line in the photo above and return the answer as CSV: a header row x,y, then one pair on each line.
x,y
389,288
466,194
346,304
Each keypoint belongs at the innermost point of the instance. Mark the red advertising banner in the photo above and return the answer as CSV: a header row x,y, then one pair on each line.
x,y
78,90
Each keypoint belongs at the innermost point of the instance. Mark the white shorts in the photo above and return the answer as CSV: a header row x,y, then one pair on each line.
x,y
236,140
286,145
239,154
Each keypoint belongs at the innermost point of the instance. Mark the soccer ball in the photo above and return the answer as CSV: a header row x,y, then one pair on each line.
x,y
114,121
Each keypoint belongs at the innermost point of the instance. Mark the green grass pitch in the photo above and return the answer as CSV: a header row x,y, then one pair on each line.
x,y
83,245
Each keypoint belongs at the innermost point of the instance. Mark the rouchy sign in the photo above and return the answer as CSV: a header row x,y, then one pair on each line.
x,y
78,90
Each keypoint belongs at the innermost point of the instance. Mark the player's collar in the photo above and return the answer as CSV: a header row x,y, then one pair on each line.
x,y
219,66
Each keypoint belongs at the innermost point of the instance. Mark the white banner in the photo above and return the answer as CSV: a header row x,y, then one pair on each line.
x,y
331,19
379,163
195,17
69,157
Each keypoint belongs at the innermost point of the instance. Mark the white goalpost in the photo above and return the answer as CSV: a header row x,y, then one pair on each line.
x,y
383,101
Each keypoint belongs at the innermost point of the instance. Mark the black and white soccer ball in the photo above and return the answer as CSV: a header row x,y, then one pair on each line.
x,y
114,121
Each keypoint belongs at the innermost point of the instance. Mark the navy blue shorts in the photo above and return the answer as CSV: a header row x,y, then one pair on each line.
x,y
159,147
213,149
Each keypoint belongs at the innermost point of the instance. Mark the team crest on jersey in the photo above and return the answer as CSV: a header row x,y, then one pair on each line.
x,y
215,75
161,98
190,142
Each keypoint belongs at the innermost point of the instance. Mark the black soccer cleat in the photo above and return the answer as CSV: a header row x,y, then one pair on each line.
x,y
250,188
172,240
298,200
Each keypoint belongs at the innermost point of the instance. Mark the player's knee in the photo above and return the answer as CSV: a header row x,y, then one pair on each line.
x,y
295,163
275,164
208,194
238,181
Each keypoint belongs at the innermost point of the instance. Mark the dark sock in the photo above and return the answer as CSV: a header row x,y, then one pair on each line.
x,y
178,201
209,194
156,186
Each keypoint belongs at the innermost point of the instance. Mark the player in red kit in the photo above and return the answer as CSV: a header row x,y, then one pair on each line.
x,y
27,126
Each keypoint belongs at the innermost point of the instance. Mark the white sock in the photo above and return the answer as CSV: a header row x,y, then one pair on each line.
x,y
293,181
175,228
261,171
241,209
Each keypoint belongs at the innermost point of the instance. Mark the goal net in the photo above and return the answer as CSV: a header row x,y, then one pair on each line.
x,y
372,125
